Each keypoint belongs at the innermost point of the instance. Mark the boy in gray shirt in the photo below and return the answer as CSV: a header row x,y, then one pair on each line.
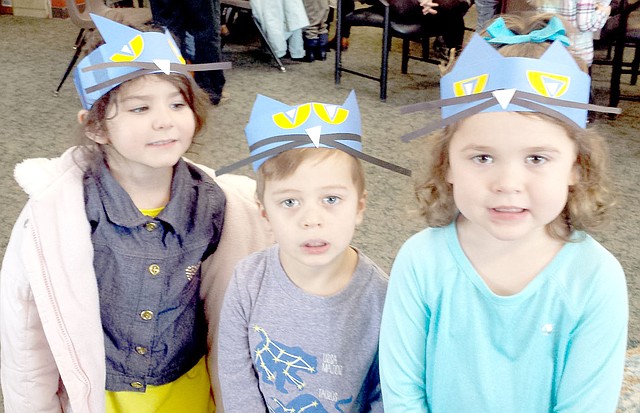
x,y
300,321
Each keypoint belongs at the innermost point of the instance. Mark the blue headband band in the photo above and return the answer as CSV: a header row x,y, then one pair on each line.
x,y
129,53
499,33
275,127
482,80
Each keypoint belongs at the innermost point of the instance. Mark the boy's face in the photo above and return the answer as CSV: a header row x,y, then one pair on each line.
x,y
511,174
313,214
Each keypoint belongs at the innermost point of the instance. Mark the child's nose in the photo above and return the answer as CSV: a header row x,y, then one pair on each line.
x,y
508,178
311,217
162,118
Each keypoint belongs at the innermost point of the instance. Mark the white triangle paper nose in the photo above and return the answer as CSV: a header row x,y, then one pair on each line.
x,y
314,134
504,97
164,65
126,49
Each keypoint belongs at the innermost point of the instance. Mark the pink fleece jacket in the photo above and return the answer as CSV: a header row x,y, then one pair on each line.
x,y
52,349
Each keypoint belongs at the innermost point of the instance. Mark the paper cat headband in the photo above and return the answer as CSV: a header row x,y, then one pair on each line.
x,y
129,53
275,127
482,80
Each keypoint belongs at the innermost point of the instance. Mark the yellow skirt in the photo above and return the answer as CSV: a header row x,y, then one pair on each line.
x,y
189,393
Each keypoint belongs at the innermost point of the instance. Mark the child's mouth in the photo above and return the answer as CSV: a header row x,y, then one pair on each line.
x,y
512,210
160,143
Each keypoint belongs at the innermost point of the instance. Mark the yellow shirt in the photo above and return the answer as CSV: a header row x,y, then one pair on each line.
x,y
189,393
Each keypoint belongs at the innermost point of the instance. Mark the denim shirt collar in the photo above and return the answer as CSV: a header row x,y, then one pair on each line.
x,y
121,210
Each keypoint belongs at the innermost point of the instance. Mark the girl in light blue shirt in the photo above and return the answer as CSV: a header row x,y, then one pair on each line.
x,y
504,304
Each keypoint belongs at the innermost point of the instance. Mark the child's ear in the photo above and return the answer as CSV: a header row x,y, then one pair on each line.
x,y
96,137
82,116
263,212
362,206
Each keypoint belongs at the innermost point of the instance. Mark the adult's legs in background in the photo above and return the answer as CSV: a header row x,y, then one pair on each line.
x,y
347,7
201,19
203,23
170,15
448,23
316,35
486,9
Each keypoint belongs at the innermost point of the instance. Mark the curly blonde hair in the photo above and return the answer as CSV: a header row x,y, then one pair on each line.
x,y
589,200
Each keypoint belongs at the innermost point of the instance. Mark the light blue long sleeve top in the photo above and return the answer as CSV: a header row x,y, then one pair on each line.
x,y
449,344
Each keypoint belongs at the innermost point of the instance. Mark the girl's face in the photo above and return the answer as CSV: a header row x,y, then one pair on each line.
x,y
510,174
150,126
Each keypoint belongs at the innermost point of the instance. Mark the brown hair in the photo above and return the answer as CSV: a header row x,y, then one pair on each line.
x,y
95,123
589,200
286,163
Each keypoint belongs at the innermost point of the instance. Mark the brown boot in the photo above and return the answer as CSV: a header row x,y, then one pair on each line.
x,y
344,43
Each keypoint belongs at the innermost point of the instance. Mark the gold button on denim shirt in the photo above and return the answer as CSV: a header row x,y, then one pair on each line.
x,y
148,275
146,315
154,269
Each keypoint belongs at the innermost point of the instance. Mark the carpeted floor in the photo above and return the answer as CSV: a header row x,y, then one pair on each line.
x,y
34,54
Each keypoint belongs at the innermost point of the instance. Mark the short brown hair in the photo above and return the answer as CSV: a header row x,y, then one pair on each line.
x,y
286,163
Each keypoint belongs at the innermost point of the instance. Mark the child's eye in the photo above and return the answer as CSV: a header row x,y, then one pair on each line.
x,y
178,105
483,158
331,199
536,159
290,203
139,109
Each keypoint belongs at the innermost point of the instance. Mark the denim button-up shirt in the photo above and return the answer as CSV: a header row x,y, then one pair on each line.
x,y
148,273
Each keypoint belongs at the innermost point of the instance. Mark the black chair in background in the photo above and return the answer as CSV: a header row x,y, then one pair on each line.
x,y
622,31
379,15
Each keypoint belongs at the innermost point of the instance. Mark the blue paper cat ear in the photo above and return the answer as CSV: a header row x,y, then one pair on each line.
x,y
129,53
482,80
275,127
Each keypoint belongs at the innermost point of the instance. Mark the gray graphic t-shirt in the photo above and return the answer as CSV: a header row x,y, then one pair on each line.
x,y
284,350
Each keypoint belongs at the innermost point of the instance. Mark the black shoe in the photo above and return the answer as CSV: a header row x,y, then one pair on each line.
x,y
444,53
323,46
214,98
310,48
287,56
320,53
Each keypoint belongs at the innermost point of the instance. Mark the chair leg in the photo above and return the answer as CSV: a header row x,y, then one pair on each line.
x,y
616,73
78,48
338,64
635,65
386,45
406,43
264,37
426,48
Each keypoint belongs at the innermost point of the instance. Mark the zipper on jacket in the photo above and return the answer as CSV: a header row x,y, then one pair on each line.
x,y
61,328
